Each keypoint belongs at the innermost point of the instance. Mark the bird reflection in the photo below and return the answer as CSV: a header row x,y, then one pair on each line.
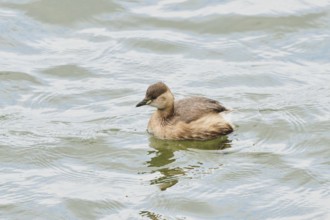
x,y
164,155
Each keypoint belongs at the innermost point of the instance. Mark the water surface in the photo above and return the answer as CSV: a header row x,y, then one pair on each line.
x,y
73,145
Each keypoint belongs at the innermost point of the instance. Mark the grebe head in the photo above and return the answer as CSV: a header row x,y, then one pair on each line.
x,y
158,95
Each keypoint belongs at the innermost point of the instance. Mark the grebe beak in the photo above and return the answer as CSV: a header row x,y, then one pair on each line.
x,y
144,102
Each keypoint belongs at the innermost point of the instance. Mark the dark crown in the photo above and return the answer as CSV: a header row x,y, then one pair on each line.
x,y
156,90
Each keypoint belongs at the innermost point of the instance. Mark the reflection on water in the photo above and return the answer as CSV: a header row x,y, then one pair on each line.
x,y
163,156
151,215
219,143
170,177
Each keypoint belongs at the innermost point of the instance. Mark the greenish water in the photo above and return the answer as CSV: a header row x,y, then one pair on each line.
x,y
73,145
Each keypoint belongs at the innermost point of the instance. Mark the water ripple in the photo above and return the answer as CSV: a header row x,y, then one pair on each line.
x,y
72,141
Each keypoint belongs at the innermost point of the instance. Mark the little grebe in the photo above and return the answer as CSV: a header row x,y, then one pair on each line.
x,y
195,118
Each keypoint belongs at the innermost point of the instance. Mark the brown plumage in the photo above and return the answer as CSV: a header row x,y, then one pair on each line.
x,y
195,118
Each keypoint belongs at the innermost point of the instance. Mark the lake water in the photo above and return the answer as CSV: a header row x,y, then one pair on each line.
x,y
73,145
